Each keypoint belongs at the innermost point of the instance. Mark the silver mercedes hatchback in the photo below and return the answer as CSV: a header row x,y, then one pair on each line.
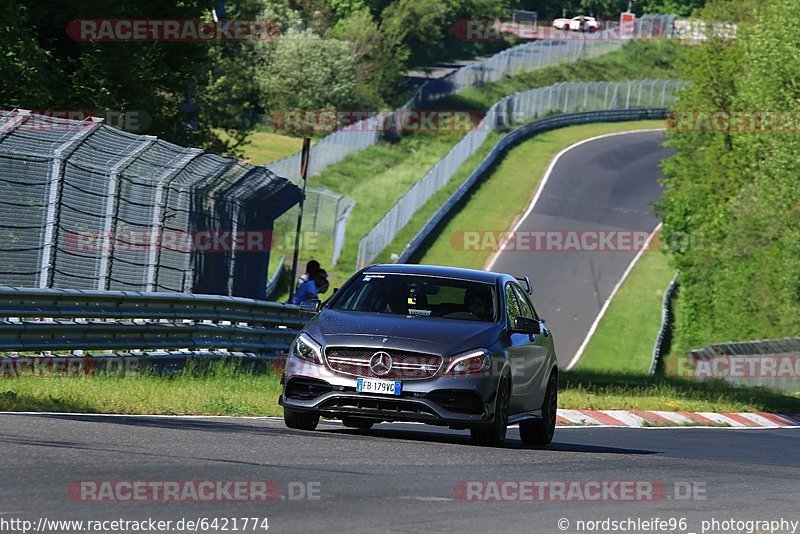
x,y
438,345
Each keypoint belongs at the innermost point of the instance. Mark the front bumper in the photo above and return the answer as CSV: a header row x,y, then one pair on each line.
x,y
442,400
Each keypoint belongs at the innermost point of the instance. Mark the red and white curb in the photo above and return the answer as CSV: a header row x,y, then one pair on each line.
x,y
566,418
642,419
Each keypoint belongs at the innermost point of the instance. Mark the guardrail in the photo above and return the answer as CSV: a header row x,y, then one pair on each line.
x,y
75,321
746,348
508,141
769,363
664,331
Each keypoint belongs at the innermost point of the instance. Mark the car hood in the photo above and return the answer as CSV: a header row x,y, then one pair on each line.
x,y
431,335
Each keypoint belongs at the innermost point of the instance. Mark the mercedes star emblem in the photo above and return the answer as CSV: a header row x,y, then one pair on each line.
x,y
380,363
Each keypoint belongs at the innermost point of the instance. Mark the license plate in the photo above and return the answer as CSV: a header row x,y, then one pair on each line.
x,y
382,387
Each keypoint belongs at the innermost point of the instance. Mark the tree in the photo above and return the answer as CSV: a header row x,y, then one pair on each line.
x,y
731,209
303,71
379,60
24,80
418,24
43,68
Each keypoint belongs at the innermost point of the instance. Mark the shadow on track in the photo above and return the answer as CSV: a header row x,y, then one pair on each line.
x,y
463,439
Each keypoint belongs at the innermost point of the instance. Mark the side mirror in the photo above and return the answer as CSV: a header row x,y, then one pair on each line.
x,y
310,306
526,325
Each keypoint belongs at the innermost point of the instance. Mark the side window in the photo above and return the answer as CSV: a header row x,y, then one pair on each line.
x,y
512,306
524,304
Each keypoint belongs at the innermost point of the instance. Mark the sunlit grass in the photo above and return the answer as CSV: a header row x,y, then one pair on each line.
x,y
221,389
623,341
225,390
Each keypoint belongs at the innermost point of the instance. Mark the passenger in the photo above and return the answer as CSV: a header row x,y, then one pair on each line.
x,y
311,269
312,287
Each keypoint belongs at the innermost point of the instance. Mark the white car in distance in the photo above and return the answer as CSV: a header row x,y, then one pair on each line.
x,y
577,24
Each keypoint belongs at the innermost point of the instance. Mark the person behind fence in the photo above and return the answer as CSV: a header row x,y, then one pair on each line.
x,y
311,268
311,289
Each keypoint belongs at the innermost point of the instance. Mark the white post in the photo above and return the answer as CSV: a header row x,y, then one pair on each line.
x,y
158,212
53,208
104,271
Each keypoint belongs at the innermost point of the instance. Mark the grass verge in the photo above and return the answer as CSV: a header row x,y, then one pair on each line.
x,y
223,390
263,145
623,341
634,391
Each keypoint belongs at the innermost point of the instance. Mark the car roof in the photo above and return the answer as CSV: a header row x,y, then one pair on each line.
x,y
437,270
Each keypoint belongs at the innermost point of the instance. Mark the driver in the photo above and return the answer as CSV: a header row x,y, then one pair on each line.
x,y
478,302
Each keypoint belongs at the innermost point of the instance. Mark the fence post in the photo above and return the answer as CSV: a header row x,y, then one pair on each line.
x,y
106,254
159,213
62,153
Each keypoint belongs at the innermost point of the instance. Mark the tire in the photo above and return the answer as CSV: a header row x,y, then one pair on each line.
x,y
300,420
357,422
494,433
540,431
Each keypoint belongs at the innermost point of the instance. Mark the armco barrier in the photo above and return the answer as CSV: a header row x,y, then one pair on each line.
x,y
167,324
508,141
664,331
769,363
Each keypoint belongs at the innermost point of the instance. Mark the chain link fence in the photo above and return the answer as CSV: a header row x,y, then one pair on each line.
x,y
325,216
87,206
511,110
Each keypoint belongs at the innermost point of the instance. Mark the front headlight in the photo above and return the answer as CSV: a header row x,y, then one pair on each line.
x,y
305,348
470,362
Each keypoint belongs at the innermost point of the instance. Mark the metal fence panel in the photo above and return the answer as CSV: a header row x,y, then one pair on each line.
x,y
87,206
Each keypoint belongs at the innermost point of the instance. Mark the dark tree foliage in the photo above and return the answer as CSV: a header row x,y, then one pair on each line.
x,y
43,68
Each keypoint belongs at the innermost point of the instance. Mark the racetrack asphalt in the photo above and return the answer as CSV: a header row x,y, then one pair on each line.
x,y
602,185
396,477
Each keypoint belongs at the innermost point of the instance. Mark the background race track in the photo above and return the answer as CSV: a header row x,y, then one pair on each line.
x,y
604,184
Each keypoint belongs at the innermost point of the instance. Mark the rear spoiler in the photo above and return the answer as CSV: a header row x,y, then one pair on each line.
x,y
526,282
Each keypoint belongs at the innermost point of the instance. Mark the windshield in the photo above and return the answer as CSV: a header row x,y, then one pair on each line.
x,y
420,296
